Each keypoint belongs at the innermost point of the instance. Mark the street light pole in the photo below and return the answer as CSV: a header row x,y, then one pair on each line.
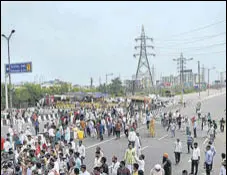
x,y
199,75
10,85
6,93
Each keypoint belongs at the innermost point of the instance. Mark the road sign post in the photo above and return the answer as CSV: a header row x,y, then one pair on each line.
x,y
13,69
18,68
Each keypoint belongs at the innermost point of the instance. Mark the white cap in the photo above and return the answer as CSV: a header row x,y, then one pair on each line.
x,y
157,167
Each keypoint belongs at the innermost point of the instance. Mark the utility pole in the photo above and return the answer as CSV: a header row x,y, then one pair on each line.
x,y
99,81
181,62
9,74
203,74
111,74
199,75
91,83
153,78
209,69
143,68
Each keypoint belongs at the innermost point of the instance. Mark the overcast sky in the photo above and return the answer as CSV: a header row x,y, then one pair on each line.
x,y
74,41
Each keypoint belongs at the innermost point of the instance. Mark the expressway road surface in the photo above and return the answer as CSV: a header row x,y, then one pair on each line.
x,y
191,100
153,148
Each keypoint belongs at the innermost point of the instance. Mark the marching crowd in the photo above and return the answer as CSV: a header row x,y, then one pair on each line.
x,y
58,149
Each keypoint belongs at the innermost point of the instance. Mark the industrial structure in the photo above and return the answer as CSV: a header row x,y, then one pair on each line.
x,y
144,77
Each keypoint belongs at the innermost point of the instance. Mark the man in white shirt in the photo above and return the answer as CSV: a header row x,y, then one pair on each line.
x,y
148,119
7,145
98,158
51,132
132,137
81,150
84,171
223,168
140,161
195,159
28,131
213,150
30,141
137,144
114,166
177,150
11,132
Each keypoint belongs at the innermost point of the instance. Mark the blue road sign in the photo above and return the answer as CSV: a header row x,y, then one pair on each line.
x,y
19,67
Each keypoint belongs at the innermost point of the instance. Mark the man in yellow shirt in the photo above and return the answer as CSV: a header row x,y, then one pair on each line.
x,y
130,157
135,169
80,134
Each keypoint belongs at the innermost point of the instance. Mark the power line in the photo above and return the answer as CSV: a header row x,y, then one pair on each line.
x,y
198,29
197,39
173,54
195,48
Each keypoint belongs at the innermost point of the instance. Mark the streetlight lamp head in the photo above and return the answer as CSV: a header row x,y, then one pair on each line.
x,y
191,59
3,35
13,31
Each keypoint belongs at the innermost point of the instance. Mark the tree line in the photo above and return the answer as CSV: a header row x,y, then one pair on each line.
x,y
29,93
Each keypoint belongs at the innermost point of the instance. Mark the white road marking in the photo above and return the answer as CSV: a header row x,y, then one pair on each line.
x,y
163,137
144,148
110,139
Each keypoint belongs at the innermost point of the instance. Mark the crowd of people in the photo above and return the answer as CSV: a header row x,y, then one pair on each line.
x,y
58,149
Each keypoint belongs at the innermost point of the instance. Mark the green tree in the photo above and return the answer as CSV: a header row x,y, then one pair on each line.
x,y
115,87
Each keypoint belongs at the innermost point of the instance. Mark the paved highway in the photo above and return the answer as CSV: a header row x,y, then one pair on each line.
x,y
153,148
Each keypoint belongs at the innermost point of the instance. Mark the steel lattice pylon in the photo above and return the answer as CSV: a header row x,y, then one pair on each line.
x,y
143,68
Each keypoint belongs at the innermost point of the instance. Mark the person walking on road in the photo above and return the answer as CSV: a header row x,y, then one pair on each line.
x,y
215,128
81,150
195,128
166,164
222,125
208,160
138,144
213,150
173,128
129,157
179,120
209,119
223,168
152,127
187,124
189,142
195,159
210,133
114,167
148,119
36,123
177,151
140,161
118,129
132,137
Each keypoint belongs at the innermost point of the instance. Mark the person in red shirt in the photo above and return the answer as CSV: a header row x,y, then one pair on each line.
x,y
2,143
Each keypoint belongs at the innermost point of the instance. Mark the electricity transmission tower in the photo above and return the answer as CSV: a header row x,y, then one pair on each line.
x,y
143,68
181,62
